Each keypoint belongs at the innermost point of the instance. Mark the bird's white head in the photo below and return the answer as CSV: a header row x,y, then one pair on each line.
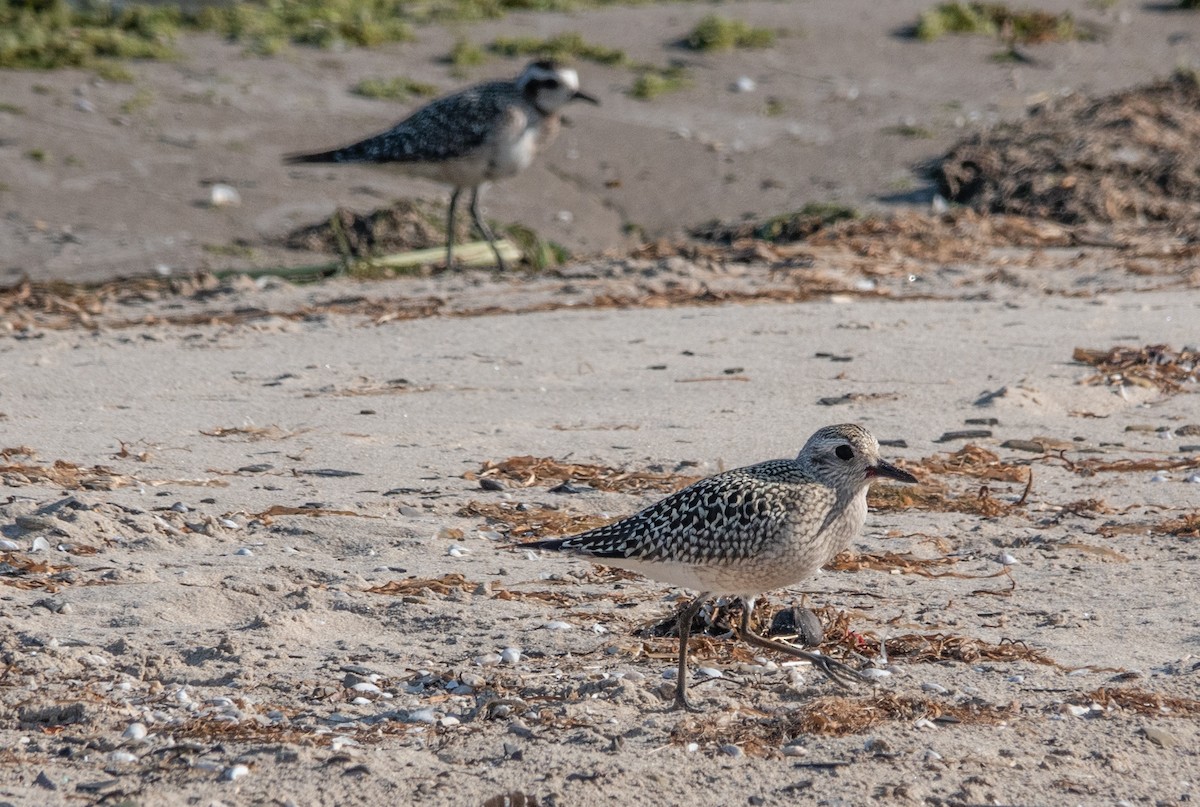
x,y
549,86
846,457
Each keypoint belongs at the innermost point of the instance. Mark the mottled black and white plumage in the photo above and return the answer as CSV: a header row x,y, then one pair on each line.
x,y
486,132
750,530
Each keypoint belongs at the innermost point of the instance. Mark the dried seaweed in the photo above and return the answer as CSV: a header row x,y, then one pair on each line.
x,y
1157,366
245,731
414,586
530,522
266,516
975,462
252,433
1102,552
935,497
925,648
839,716
902,563
65,475
1187,526
527,471
1089,467
1141,702
19,571
758,735
1129,156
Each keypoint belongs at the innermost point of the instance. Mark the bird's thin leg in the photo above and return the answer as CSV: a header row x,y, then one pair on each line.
x,y
450,228
835,671
685,626
486,230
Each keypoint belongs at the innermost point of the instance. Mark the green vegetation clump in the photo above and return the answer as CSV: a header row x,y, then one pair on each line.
x,y
114,71
654,81
565,46
45,34
804,222
720,33
1026,26
393,89
268,25
465,55
142,99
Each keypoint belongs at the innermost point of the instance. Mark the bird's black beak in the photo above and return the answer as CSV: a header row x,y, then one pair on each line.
x,y
580,95
888,471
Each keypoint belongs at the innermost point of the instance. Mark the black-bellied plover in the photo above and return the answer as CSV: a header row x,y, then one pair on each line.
x,y
483,133
747,531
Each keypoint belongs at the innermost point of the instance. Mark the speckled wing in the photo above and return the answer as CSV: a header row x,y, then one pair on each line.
x,y
722,519
446,129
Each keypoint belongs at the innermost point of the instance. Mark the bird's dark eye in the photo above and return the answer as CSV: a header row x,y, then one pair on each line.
x,y
844,452
551,83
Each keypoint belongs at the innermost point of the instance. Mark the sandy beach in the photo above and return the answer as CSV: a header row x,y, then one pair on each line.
x,y
258,537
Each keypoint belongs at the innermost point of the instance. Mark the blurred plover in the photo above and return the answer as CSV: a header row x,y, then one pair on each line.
x,y
486,132
748,531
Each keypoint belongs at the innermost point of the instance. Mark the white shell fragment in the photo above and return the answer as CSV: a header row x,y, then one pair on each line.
x,y
510,655
222,195
235,772
135,732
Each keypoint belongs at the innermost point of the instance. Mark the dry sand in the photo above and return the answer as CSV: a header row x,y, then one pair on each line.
x,y
163,577
257,535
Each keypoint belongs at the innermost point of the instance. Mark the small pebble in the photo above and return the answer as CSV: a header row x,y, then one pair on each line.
x,y
1006,559
745,84
229,524
732,751
1193,479
795,751
557,625
693,747
931,755
40,544
361,701
456,551
1160,477
874,673
245,551
710,672
235,772
122,757
8,545
1077,710
510,655
180,507
936,689
422,716
924,723
366,686
450,720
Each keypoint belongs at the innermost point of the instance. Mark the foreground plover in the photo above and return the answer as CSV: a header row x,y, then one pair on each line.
x,y
483,133
748,531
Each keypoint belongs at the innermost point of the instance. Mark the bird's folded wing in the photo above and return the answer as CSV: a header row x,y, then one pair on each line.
x,y
724,518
